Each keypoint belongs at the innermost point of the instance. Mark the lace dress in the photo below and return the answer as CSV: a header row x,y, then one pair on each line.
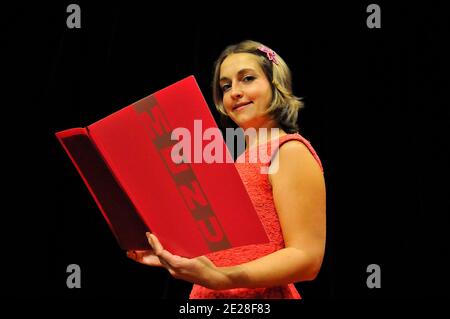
x,y
260,192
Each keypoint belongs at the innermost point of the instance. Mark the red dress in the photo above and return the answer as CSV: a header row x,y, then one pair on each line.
x,y
260,192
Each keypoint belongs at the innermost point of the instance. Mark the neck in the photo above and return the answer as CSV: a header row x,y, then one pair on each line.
x,y
262,135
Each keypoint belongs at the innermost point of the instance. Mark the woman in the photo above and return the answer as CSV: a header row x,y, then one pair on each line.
x,y
252,87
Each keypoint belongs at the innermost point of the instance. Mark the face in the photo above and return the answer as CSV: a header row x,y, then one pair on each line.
x,y
246,90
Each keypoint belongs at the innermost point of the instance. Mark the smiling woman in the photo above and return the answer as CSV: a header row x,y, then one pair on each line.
x,y
265,79
252,87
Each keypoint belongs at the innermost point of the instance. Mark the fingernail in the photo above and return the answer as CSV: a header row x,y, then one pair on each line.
x,y
147,234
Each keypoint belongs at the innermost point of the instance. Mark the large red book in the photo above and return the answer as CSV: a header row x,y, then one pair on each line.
x,y
125,159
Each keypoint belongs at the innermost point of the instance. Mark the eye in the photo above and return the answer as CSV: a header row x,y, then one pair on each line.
x,y
225,87
248,78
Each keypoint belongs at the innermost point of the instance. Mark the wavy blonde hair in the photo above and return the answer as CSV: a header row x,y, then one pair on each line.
x,y
284,106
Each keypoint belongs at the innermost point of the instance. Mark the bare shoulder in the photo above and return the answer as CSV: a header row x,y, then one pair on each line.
x,y
294,159
299,195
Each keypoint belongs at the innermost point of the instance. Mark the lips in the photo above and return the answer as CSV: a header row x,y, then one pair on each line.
x,y
240,105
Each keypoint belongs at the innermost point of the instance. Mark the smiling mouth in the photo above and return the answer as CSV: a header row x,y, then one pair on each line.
x,y
240,106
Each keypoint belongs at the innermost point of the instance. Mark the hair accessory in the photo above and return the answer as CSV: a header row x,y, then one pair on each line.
x,y
271,55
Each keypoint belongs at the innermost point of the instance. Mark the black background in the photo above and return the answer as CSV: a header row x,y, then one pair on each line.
x,y
376,112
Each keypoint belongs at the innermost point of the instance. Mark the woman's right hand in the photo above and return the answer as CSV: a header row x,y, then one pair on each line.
x,y
146,257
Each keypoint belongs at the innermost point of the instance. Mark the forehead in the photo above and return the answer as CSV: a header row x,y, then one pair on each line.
x,y
238,61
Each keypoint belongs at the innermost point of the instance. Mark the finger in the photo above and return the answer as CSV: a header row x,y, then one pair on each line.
x,y
141,254
135,255
143,251
152,260
166,258
154,242
131,254
150,241
146,257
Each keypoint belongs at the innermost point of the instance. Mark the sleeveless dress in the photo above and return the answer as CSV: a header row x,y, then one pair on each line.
x,y
260,193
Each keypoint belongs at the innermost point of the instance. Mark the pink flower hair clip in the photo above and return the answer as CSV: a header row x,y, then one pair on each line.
x,y
271,55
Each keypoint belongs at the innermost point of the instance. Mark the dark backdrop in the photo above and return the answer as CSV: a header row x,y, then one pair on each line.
x,y
375,112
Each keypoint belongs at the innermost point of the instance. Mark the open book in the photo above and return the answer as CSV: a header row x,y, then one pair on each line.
x,y
126,161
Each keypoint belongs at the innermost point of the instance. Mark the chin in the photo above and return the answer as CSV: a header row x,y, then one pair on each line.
x,y
244,118
245,124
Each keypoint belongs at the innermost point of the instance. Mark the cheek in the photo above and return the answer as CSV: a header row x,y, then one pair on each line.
x,y
259,91
226,100
267,96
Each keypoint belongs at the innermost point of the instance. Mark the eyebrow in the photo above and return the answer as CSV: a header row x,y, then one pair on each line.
x,y
239,73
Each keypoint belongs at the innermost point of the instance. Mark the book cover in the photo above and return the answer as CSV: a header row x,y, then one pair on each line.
x,y
194,206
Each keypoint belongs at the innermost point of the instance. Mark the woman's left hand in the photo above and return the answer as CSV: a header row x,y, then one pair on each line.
x,y
199,270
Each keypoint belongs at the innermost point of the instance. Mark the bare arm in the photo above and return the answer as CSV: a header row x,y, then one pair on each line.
x,y
299,195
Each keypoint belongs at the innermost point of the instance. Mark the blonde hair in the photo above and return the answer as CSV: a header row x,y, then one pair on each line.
x,y
284,106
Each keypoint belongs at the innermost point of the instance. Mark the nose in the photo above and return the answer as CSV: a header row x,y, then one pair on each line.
x,y
236,92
